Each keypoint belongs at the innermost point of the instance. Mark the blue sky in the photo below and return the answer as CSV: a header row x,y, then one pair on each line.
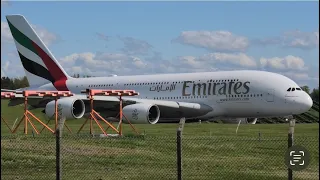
x,y
98,38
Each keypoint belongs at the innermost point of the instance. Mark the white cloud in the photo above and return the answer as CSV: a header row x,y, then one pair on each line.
x,y
122,64
79,70
214,40
239,59
71,60
6,65
4,68
190,62
102,64
302,40
214,61
11,68
5,32
102,36
46,36
283,63
133,46
297,75
293,39
139,63
302,78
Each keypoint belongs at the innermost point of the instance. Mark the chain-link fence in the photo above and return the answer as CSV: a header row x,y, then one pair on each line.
x,y
152,157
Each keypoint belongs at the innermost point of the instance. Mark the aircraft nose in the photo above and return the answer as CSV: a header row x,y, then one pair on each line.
x,y
307,102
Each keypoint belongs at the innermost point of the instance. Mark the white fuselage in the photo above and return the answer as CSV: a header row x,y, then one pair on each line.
x,y
212,94
229,93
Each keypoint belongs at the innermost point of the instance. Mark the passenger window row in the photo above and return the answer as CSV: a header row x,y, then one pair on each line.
x,y
196,97
101,85
177,82
181,97
225,80
246,95
153,83
159,83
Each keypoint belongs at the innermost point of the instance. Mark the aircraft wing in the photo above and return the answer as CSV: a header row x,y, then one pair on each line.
x,y
10,90
175,108
40,102
105,103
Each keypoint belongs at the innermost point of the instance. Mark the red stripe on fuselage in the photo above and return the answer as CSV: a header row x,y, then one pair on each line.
x,y
60,79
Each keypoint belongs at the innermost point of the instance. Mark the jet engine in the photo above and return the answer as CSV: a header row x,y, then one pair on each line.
x,y
72,108
143,113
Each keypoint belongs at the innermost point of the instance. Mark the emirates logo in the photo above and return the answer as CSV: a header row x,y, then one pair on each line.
x,y
135,114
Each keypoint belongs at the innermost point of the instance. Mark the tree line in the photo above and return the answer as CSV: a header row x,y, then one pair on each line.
x,y
16,83
314,94
22,82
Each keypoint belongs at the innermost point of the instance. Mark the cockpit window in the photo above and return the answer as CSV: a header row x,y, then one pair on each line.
x,y
293,89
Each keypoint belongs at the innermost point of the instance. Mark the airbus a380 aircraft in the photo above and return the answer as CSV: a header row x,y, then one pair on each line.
x,y
163,97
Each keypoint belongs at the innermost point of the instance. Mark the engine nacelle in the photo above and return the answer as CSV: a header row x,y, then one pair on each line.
x,y
142,113
72,108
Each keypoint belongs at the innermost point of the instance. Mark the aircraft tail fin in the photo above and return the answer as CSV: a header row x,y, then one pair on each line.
x,y
40,66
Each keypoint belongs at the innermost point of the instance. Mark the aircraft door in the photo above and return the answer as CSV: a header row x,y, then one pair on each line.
x,y
270,95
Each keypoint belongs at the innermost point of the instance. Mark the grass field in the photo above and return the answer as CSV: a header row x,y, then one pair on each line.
x,y
210,151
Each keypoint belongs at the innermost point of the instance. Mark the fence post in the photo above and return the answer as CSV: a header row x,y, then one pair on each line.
x,y
179,148
58,143
290,142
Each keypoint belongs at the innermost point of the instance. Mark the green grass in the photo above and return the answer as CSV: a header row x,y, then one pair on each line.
x,y
210,151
